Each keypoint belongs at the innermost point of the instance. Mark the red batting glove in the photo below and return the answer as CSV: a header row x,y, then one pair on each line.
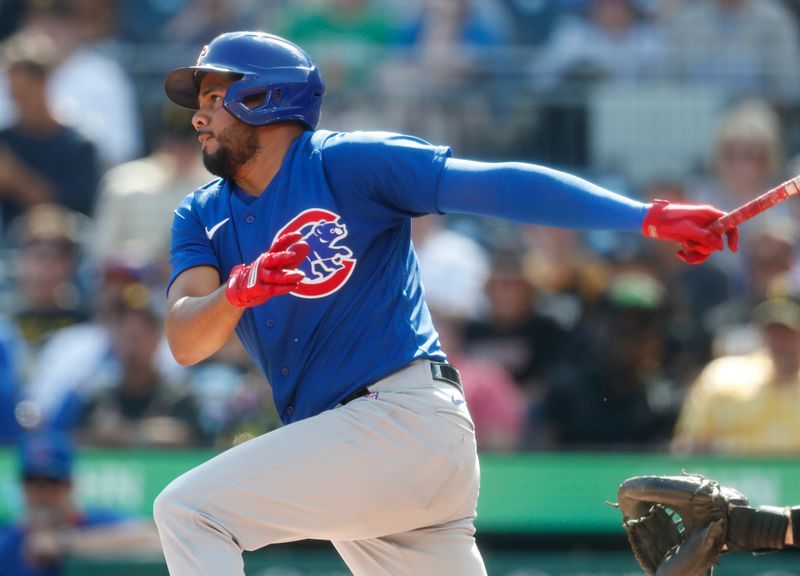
x,y
688,224
271,274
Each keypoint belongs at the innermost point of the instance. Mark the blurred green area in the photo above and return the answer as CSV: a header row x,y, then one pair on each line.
x,y
539,514
523,494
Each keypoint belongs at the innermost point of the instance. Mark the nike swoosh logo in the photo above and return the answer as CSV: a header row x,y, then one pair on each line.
x,y
211,231
455,400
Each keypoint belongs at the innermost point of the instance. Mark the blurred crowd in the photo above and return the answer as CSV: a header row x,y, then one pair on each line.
x,y
565,340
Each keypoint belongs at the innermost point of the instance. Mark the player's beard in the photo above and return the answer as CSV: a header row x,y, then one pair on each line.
x,y
238,143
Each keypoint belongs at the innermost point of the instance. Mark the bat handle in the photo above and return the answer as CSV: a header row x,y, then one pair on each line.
x,y
756,206
723,224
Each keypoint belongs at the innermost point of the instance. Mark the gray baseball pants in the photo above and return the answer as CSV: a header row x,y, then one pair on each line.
x,y
391,480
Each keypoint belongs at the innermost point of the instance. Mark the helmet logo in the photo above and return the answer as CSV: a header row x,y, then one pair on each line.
x,y
203,54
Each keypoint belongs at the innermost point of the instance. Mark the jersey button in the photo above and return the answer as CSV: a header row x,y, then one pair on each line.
x,y
289,409
250,219
285,371
270,323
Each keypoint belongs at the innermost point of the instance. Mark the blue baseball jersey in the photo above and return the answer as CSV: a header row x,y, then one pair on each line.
x,y
360,314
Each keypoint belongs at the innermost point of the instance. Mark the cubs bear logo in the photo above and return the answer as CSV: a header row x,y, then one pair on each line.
x,y
329,263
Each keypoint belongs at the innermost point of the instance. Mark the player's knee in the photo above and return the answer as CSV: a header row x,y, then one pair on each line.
x,y
170,504
161,507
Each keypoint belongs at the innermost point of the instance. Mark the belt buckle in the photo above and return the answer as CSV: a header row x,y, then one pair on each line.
x,y
445,373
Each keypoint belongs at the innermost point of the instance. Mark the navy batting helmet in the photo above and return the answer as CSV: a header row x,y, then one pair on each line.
x,y
263,64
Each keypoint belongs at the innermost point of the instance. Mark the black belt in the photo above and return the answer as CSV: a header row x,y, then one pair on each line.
x,y
439,371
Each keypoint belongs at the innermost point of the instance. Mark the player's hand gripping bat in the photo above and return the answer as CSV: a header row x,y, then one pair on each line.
x,y
757,205
688,225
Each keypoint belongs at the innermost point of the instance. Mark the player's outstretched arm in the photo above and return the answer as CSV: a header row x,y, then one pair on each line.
x,y
202,315
538,195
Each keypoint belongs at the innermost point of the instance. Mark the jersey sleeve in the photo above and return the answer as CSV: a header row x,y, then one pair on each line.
x,y
189,246
534,194
392,175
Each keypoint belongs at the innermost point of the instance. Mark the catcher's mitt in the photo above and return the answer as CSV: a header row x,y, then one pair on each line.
x,y
679,525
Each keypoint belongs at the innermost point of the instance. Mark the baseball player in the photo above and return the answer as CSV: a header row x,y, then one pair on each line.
x,y
302,247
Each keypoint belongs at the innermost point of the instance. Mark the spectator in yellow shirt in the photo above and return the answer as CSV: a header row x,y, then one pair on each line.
x,y
749,404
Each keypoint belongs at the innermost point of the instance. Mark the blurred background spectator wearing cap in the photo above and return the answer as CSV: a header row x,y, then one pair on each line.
x,y
139,406
612,390
53,525
768,260
79,361
41,159
747,404
47,294
514,333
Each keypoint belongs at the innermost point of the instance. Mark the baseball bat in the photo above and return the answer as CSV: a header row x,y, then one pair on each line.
x,y
756,205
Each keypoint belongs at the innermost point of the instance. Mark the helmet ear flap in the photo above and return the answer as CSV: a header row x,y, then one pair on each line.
x,y
249,100
256,103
